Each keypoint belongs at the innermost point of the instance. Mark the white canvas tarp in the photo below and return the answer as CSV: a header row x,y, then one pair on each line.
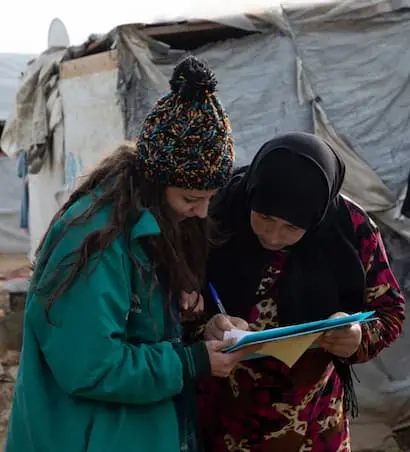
x,y
92,120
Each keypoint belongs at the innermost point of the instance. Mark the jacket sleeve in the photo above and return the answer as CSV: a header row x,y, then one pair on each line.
x,y
383,294
86,348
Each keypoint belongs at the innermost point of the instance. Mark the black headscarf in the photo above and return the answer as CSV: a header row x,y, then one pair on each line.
x,y
296,177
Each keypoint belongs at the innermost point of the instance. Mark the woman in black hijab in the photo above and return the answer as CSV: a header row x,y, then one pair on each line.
x,y
294,250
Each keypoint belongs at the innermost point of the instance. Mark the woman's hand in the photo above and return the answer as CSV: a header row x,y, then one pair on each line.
x,y
222,363
192,302
342,342
219,323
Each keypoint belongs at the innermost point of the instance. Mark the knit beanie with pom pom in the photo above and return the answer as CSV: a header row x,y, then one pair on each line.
x,y
186,140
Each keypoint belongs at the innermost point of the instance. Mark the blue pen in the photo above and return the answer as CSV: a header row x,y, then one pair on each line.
x,y
216,299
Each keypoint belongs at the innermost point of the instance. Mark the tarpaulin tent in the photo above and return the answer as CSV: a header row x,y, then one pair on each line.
x,y
12,238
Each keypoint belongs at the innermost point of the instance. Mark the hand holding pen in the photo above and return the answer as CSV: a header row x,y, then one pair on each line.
x,y
222,364
219,323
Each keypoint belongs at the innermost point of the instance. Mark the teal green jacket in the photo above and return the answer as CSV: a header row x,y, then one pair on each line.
x,y
106,375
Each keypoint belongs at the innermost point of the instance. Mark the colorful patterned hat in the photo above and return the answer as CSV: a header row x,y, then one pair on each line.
x,y
186,140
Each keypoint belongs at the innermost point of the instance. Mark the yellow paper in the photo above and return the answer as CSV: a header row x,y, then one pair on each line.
x,y
289,350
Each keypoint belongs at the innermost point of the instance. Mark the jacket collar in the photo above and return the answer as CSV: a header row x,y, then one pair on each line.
x,y
146,225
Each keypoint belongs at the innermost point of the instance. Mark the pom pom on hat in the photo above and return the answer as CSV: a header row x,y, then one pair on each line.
x,y
192,79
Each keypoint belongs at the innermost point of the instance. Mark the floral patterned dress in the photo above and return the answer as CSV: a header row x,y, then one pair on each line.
x,y
264,405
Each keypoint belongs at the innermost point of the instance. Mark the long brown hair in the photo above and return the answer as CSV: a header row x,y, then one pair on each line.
x,y
180,250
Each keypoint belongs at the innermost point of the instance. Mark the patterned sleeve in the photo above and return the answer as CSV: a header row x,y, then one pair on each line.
x,y
383,292
194,328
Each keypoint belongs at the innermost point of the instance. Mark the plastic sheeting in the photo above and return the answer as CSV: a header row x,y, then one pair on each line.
x,y
43,187
12,238
257,80
11,68
92,127
363,89
362,77
92,121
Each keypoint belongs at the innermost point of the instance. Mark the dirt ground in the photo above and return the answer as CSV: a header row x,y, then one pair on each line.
x,y
9,365
11,266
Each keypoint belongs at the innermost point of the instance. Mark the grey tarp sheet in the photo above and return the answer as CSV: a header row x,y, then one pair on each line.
x,y
12,238
11,68
260,95
360,73
362,76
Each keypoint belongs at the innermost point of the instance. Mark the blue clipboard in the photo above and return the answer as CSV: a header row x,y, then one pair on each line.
x,y
276,334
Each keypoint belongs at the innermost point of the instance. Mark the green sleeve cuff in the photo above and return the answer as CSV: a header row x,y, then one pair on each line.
x,y
195,359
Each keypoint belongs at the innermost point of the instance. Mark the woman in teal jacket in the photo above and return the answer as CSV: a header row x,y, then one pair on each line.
x,y
103,368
